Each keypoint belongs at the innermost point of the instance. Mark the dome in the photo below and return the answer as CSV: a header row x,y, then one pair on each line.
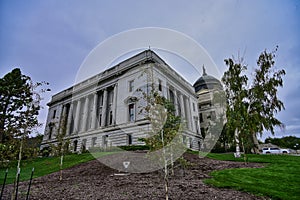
x,y
207,82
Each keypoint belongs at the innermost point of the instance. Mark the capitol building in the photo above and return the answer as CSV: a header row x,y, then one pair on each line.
x,y
106,110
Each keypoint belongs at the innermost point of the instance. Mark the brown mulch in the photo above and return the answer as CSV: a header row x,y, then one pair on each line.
x,y
94,180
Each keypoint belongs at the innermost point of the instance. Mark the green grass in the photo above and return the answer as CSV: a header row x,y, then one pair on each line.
x,y
44,166
279,179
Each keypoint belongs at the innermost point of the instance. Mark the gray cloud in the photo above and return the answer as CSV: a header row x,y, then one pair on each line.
x,y
50,39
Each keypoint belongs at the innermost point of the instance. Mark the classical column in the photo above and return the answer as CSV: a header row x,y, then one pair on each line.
x,y
182,106
189,114
69,120
61,118
76,121
104,108
85,114
94,112
176,102
114,106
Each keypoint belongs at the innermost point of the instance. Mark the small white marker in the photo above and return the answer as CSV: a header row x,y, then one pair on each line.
x,y
126,164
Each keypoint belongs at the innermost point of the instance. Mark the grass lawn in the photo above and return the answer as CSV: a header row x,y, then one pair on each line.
x,y
44,166
279,179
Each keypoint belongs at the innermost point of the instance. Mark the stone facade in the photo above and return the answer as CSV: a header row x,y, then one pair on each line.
x,y
107,109
212,107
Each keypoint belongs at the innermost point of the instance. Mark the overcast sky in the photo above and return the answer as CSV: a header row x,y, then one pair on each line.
x,y
49,40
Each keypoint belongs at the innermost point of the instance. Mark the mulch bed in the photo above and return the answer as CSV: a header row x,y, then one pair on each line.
x,y
94,180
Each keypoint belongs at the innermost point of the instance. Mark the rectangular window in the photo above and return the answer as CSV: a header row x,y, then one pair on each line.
x,y
172,97
131,112
110,96
67,107
100,119
129,139
75,145
194,107
110,118
54,114
159,85
100,99
203,132
184,139
71,125
201,117
94,139
50,132
83,145
131,85
179,106
104,141
191,143
196,125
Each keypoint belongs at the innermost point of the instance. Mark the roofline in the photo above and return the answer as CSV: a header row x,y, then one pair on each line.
x,y
142,57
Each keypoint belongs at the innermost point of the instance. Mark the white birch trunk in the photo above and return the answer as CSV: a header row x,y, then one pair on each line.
x,y
237,143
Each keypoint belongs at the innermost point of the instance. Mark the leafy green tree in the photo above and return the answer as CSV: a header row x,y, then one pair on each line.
x,y
20,100
20,105
235,88
251,107
263,101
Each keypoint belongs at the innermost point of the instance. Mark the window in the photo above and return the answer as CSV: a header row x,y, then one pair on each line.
x,y
104,141
184,139
67,107
274,148
191,143
159,85
199,145
131,85
179,106
100,99
110,96
194,107
203,132
83,145
196,124
172,97
129,139
131,112
201,117
75,145
71,125
50,131
100,119
110,118
54,114
94,139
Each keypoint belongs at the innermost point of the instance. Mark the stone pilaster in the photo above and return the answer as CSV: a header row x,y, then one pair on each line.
x,y
114,106
104,108
85,114
94,112
69,120
182,106
76,121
